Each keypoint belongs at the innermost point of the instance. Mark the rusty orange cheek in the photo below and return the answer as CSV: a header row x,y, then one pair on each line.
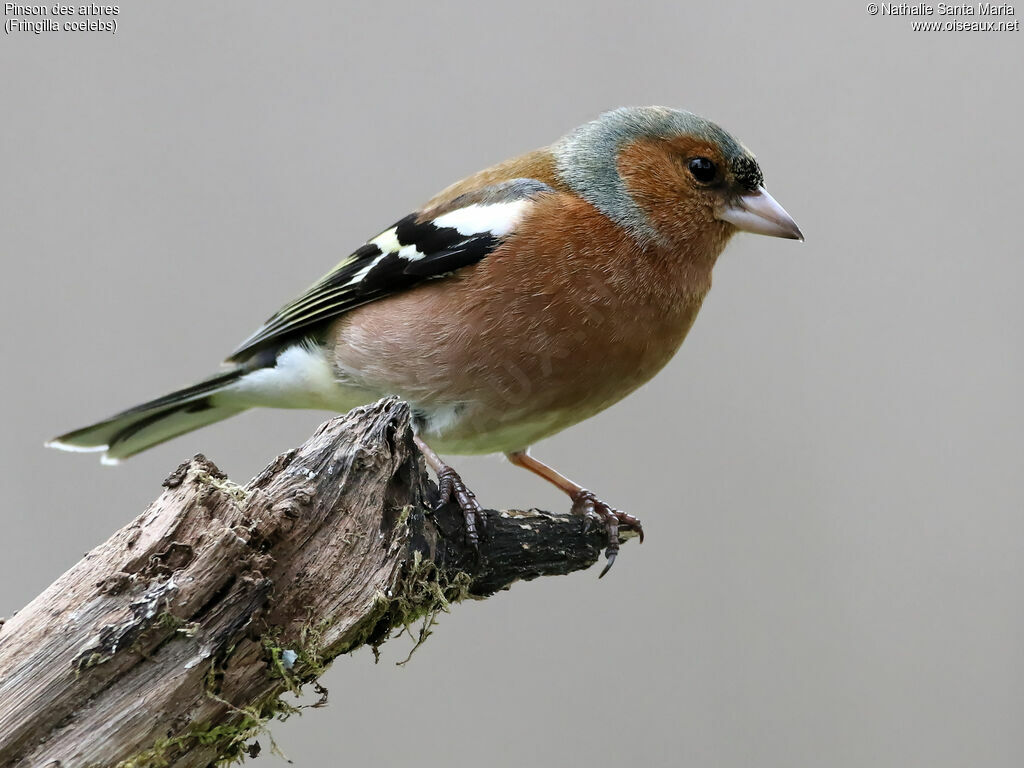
x,y
654,168
655,174
650,171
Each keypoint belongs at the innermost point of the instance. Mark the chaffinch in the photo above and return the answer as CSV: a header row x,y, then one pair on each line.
x,y
517,302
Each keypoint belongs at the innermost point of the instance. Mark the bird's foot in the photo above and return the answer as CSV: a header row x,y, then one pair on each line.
x,y
450,486
593,509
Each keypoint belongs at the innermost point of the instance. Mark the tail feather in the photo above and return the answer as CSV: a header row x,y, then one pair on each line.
x,y
155,422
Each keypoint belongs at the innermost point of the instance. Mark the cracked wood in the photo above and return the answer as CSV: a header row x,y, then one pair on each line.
x,y
173,627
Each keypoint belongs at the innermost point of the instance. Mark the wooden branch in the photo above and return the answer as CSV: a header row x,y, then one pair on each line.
x,y
171,643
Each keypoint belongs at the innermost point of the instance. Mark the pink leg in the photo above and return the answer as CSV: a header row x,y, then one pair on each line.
x,y
583,503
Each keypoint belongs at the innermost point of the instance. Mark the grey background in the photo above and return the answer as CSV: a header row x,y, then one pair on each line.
x,y
829,471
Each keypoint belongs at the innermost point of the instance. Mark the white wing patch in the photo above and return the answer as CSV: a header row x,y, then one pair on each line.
x,y
498,219
387,241
495,219
364,271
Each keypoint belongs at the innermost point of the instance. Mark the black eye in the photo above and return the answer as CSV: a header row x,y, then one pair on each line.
x,y
703,170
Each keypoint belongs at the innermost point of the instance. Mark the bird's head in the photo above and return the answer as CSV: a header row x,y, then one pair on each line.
x,y
670,177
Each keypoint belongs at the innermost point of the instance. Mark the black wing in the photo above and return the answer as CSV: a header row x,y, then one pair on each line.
x,y
410,252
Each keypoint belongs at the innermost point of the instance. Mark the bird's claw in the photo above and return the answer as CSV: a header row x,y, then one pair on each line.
x,y
450,486
585,503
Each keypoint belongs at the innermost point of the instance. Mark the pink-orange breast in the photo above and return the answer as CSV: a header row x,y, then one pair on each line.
x,y
566,317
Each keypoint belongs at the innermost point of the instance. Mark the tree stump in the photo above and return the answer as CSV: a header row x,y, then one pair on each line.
x,y
171,643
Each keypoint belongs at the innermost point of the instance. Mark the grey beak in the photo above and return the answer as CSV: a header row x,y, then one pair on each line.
x,y
758,212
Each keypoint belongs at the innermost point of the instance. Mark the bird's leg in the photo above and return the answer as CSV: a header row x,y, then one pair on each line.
x,y
450,486
584,503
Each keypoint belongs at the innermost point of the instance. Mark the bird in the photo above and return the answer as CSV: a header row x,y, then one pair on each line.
x,y
515,303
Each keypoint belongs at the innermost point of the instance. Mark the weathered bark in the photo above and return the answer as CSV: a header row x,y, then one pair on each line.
x,y
171,643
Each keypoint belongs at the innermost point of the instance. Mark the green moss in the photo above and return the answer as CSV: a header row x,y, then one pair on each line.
x,y
310,655
231,740
403,516
277,665
158,755
235,491
311,648
91,660
423,592
426,593
167,620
